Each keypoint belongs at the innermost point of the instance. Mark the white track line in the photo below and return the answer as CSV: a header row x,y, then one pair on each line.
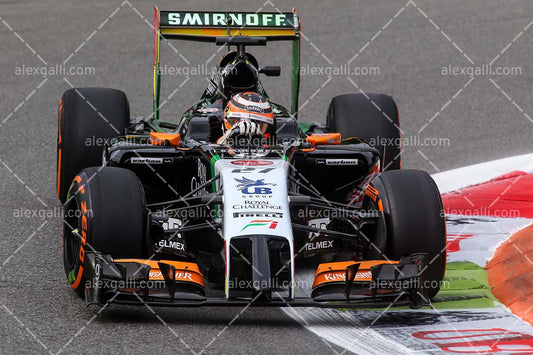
x,y
455,179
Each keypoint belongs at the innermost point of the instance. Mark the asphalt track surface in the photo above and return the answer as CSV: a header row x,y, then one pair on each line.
x,y
483,118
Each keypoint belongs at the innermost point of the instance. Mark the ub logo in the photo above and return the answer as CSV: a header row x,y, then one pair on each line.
x,y
257,187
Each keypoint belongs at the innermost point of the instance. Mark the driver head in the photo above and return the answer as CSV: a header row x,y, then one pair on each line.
x,y
249,106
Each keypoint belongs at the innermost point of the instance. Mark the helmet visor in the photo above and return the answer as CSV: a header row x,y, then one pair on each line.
x,y
263,126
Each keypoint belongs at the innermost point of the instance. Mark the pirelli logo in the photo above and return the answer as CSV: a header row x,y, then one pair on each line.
x,y
258,214
220,19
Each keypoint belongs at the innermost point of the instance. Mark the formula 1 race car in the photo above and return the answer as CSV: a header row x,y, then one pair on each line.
x,y
159,213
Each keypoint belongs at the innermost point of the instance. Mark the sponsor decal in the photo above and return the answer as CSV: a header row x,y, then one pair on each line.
x,y
171,244
317,223
254,108
175,246
335,276
253,195
199,179
178,247
372,193
341,276
261,222
252,162
146,160
254,187
257,191
180,275
258,214
204,19
317,244
73,277
344,162
324,244
172,223
256,205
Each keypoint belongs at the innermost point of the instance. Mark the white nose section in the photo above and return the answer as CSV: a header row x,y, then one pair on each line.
x,y
255,202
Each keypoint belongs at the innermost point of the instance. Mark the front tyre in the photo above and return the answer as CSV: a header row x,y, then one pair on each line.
x,y
414,220
105,212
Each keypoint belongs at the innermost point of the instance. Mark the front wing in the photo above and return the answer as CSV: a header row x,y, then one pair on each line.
x,y
349,284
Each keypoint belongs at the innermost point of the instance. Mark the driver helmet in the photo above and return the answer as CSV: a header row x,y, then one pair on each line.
x,y
249,106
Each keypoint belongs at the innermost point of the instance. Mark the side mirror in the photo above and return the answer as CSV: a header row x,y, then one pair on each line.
x,y
271,70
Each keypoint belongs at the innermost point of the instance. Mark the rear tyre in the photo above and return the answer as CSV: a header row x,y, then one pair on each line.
x,y
414,218
88,118
106,212
356,115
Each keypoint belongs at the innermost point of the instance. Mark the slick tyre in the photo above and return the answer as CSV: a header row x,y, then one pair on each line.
x,y
414,220
87,119
105,212
373,118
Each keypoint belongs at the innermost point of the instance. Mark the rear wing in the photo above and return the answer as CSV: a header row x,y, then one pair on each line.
x,y
205,26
